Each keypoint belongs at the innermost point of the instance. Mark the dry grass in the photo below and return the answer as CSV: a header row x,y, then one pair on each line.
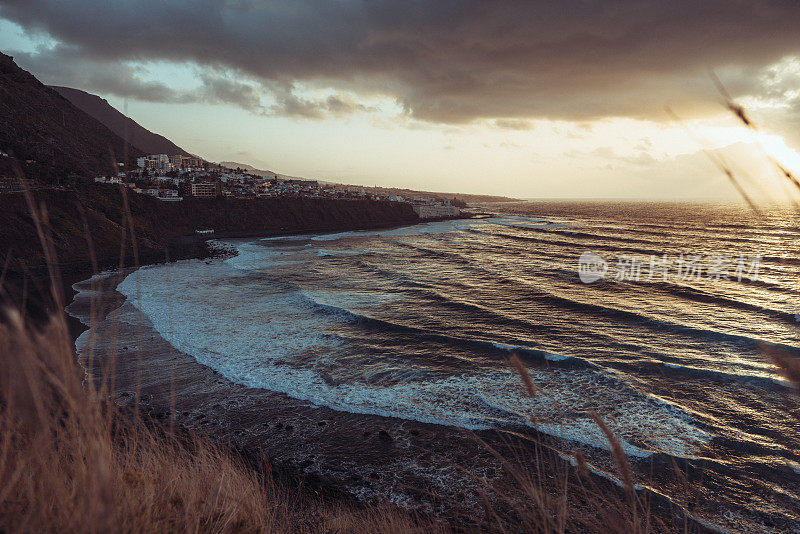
x,y
69,461
574,500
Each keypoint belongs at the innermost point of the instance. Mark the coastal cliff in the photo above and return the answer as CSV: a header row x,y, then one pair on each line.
x,y
90,230
98,211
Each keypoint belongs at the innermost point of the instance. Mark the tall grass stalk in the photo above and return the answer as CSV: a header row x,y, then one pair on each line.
x,y
71,462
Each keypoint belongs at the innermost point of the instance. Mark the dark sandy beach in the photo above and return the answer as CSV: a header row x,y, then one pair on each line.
x,y
378,459
430,469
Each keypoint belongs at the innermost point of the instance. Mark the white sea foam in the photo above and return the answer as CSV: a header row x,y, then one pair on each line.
x,y
254,257
549,356
438,227
322,252
555,357
276,339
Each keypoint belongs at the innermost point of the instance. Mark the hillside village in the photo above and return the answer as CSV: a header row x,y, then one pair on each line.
x,y
171,178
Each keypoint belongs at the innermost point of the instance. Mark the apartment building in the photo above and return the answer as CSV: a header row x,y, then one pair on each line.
x,y
206,189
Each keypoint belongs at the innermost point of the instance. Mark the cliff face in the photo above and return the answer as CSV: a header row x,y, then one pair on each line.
x,y
38,124
125,127
97,210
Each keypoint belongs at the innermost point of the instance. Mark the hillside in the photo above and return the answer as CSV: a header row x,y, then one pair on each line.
x,y
406,193
470,198
249,168
161,225
125,127
163,230
40,126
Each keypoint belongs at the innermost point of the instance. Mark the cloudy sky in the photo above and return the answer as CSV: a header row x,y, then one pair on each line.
x,y
529,99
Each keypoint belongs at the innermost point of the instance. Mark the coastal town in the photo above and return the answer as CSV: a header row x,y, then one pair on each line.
x,y
171,178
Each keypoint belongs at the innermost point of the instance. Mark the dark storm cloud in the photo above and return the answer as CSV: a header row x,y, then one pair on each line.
x,y
449,61
68,66
288,104
221,89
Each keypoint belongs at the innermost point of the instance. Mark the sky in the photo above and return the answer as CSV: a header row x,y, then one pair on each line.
x,y
533,99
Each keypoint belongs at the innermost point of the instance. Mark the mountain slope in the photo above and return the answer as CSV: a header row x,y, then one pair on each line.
x,y
125,127
38,124
248,168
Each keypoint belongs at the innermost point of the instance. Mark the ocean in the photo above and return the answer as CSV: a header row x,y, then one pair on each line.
x,y
659,317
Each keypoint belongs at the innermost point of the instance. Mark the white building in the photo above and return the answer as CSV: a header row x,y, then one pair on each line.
x,y
206,189
107,180
158,162
435,211
169,195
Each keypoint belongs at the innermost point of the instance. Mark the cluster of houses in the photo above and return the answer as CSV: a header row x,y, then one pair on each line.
x,y
172,178
165,163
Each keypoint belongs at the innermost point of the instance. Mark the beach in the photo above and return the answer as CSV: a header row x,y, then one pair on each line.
x,y
378,459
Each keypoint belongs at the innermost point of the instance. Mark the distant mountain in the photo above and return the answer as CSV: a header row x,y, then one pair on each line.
x,y
125,127
249,168
40,126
